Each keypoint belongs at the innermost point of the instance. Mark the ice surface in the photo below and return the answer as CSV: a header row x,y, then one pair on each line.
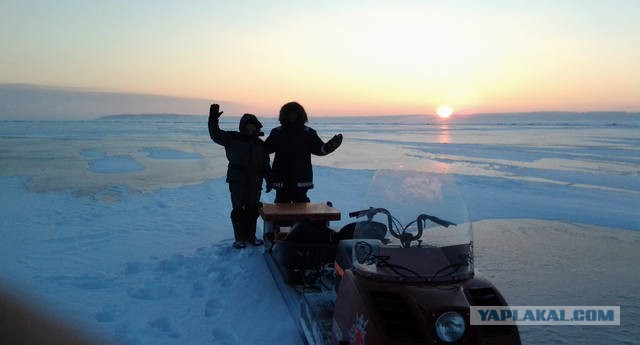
x,y
536,262
115,165
166,153
143,256
92,154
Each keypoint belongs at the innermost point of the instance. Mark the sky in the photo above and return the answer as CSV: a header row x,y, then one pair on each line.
x,y
335,57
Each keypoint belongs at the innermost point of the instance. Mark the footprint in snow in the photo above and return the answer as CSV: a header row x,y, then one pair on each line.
x,y
123,334
224,336
224,276
108,313
152,292
163,325
133,267
172,265
213,308
198,290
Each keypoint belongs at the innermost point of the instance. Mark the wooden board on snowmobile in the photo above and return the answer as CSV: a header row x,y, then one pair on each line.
x,y
299,212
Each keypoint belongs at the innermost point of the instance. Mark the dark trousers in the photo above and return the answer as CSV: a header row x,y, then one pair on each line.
x,y
245,200
289,195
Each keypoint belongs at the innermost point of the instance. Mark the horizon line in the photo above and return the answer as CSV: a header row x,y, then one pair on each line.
x,y
541,112
62,88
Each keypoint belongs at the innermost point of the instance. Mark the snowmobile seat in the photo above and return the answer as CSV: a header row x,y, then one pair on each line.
x,y
364,229
311,232
308,246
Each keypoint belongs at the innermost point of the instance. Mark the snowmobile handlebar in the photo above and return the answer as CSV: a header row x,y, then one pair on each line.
x,y
400,233
397,232
371,212
421,220
366,212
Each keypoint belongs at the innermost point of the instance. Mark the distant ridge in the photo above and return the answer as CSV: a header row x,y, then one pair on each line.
x,y
41,102
159,116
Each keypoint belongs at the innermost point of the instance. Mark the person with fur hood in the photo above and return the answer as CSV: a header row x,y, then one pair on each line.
x,y
294,143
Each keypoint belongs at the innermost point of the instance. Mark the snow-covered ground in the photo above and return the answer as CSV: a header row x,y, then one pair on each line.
x,y
121,227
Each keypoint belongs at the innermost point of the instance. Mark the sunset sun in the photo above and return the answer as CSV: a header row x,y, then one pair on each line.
x,y
444,111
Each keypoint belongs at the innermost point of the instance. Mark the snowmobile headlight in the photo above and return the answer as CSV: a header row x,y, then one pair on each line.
x,y
450,326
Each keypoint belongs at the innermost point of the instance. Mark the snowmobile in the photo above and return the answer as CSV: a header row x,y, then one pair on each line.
x,y
377,281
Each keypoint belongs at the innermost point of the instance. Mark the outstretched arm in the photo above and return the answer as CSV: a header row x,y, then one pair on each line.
x,y
333,143
217,135
320,148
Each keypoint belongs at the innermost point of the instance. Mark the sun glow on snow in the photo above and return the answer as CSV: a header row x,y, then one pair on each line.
x,y
444,111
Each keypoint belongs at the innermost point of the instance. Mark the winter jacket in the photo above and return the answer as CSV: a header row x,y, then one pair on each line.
x,y
293,146
247,155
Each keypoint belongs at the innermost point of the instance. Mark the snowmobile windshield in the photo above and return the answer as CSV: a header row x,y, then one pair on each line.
x,y
416,228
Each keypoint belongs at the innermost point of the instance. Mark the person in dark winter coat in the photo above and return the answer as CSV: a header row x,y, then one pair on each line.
x,y
293,144
248,166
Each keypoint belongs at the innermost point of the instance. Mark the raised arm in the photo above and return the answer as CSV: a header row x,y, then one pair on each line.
x,y
217,135
320,148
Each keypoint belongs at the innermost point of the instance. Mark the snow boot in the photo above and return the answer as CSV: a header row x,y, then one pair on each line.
x,y
256,241
251,232
239,233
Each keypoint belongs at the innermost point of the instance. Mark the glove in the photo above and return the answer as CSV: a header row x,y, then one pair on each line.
x,y
333,143
214,112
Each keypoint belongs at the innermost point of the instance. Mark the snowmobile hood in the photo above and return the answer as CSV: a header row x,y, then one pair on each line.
x,y
247,119
419,306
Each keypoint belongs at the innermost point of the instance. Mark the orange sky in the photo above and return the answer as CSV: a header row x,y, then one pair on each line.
x,y
368,58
